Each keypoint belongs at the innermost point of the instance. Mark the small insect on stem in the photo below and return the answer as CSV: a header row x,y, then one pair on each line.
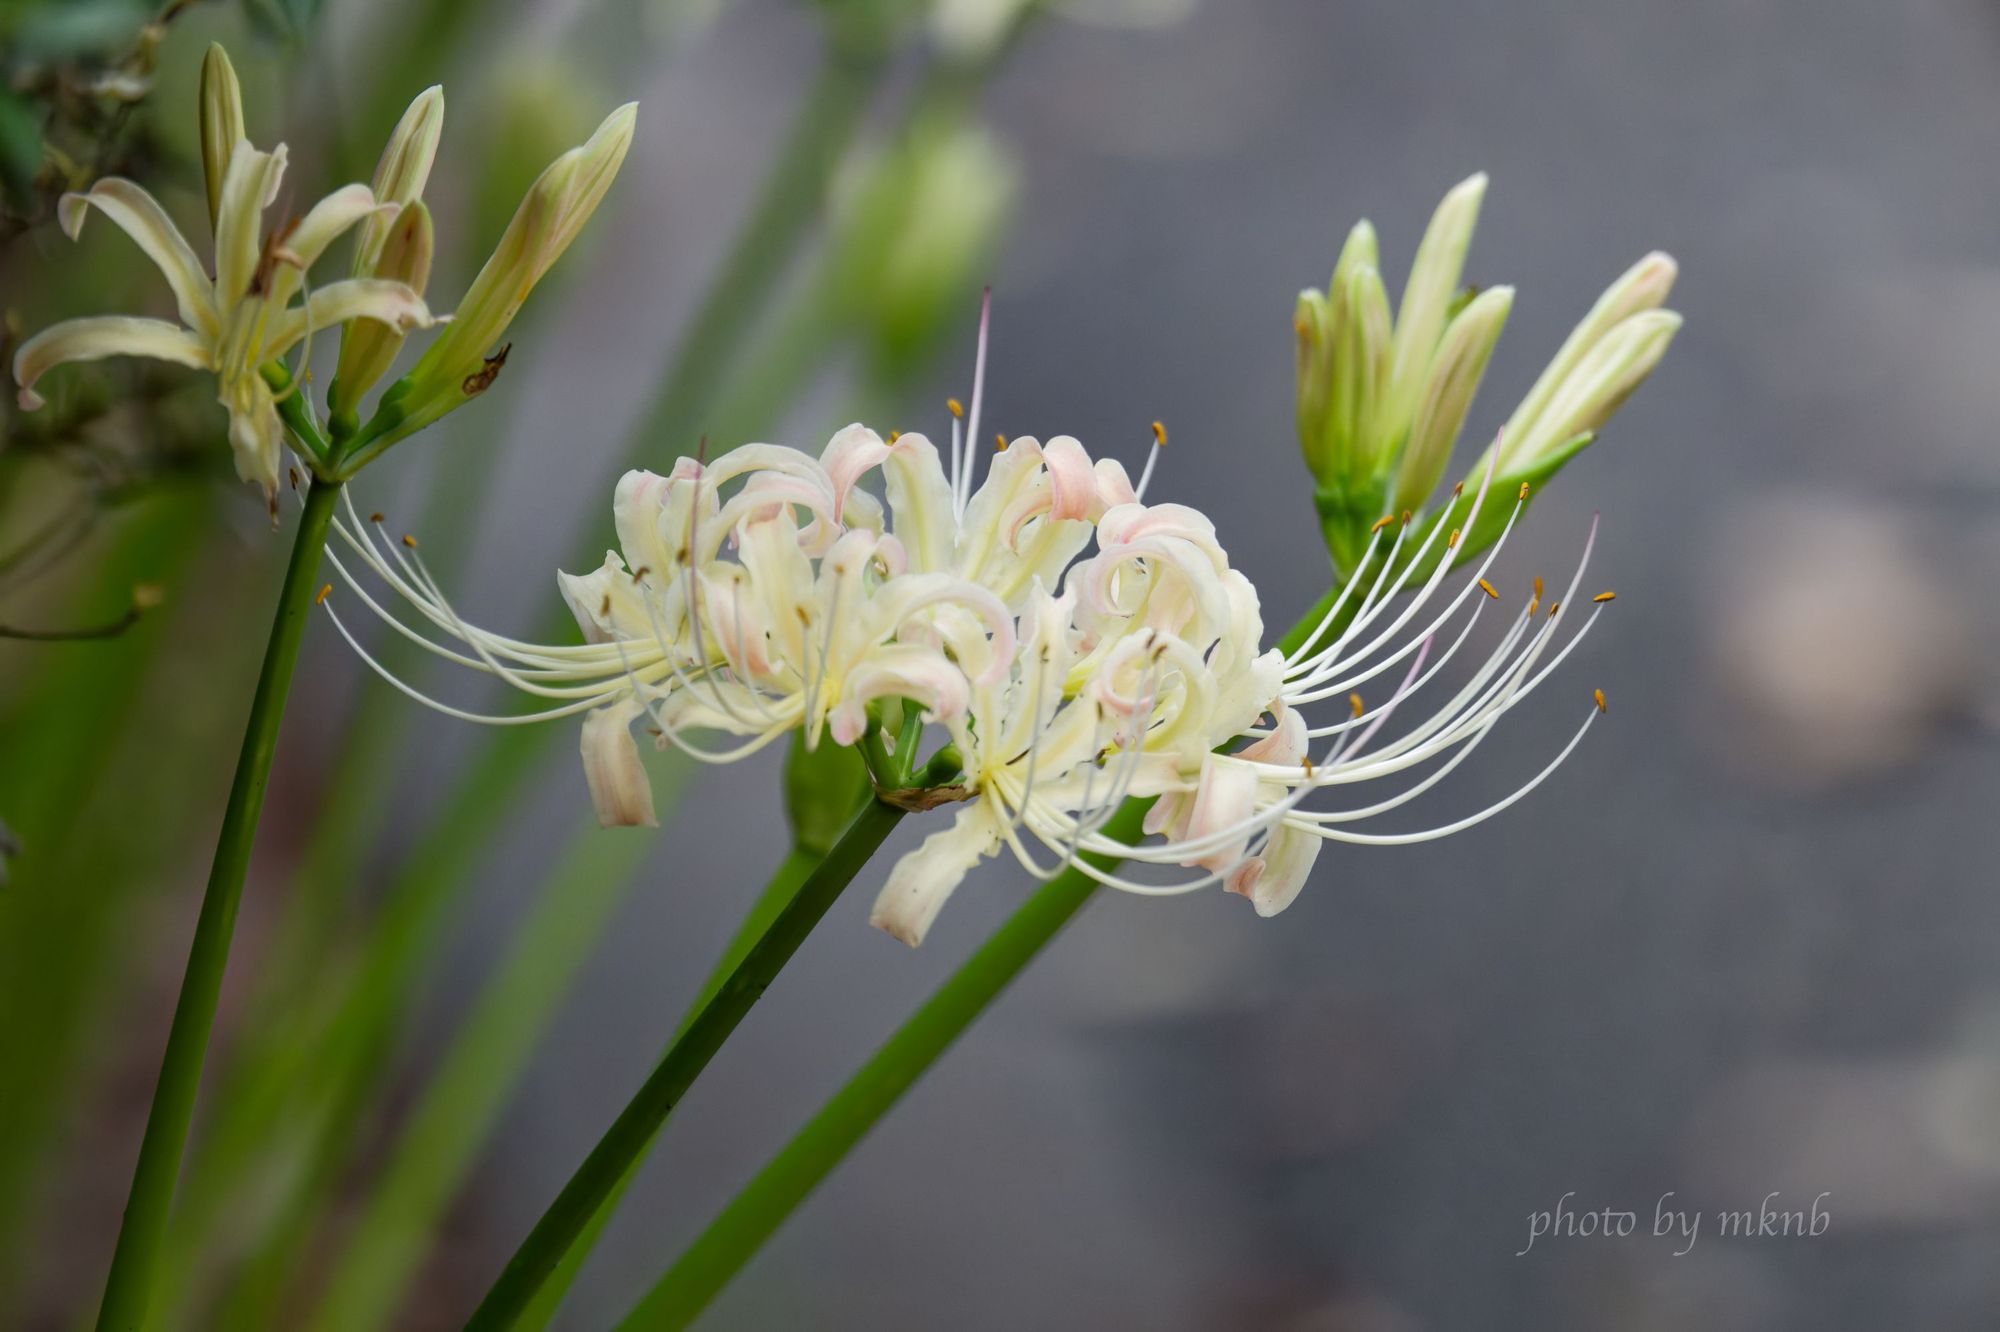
x,y
482,379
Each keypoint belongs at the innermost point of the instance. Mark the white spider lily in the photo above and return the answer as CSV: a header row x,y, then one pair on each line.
x,y
1071,743
241,319
803,629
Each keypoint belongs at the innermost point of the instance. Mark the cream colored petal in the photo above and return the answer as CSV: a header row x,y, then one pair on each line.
x,y
255,434
140,216
392,303
899,671
921,504
247,189
924,878
619,787
322,226
100,336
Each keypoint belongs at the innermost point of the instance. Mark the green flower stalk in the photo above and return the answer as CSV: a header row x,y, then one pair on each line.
x,y
243,325
1381,401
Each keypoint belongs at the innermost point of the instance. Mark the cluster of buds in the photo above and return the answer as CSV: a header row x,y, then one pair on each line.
x,y
1074,644
251,322
1382,399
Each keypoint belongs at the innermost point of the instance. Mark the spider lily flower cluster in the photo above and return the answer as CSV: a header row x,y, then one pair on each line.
x,y
1075,643
1382,399
258,310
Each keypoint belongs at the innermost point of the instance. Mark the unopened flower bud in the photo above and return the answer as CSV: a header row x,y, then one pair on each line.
x,y
1447,396
1362,341
1644,286
1597,387
400,176
1428,295
1311,322
558,204
222,129
368,346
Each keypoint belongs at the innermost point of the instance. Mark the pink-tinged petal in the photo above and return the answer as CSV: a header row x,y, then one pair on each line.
x,y
1130,523
850,455
1224,798
1168,816
901,670
1114,484
925,878
902,600
636,507
140,216
619,787
1072,483
100,336
1272,880
1286,744
730,610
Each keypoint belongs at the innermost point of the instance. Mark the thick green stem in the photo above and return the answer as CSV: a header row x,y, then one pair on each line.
x,y
633,1130
153,1180
756,1213
784,886
730,1240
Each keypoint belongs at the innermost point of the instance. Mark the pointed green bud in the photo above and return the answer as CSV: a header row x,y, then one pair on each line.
x,y
1454,378
1361,349
222,128
1311,323
401,174
1644,286
1429,294
367,346
1359,250
457,366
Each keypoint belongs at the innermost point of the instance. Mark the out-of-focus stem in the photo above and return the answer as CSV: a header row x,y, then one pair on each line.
x,y
129,1285
630,1134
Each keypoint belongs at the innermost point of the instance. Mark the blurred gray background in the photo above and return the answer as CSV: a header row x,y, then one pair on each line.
x,y
1743,942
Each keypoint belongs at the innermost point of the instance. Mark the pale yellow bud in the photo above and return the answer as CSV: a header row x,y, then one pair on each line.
x,y
401,174
557,205
369,346
1644,286
1454,379
222,128
1428,295
1361,352
1598,386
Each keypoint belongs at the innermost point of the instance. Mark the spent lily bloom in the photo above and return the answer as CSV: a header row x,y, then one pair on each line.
x,y
245,316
